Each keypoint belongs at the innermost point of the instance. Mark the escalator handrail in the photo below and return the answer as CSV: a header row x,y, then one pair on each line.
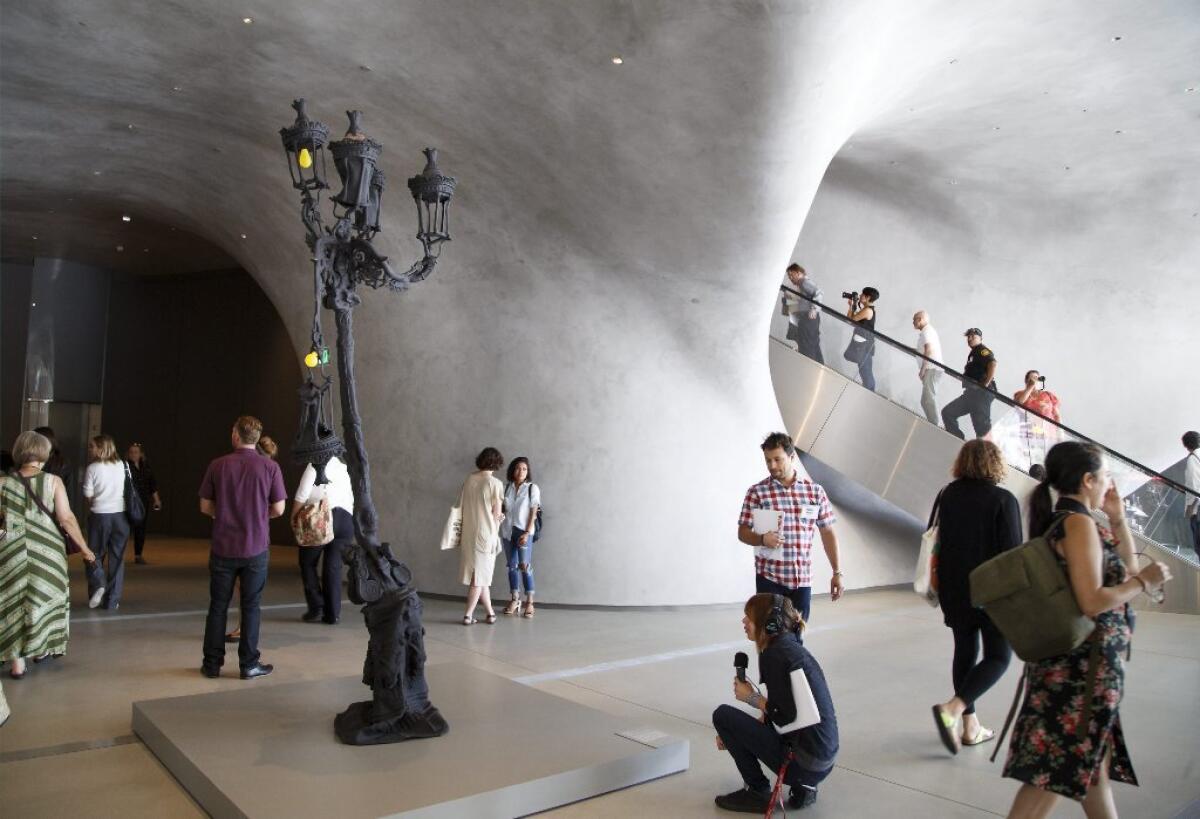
x,y
1004,399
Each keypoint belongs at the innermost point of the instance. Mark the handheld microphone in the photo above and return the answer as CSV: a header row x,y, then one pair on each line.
x,y
740,661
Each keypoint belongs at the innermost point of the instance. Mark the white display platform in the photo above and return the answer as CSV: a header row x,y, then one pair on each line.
x,y
269,751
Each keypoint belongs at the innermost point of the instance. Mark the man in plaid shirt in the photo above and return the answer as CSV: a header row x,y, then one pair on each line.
x,y
783,558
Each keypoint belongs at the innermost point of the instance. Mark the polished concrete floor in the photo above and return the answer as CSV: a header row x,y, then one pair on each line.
x,y
68,749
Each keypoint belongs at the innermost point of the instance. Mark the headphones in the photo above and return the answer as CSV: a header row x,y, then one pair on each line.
x,y
774,624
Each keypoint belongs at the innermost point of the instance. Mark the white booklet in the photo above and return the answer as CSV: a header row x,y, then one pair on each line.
x,y
806,706
766,520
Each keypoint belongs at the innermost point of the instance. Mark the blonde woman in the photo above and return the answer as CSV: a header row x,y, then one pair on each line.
x,y
108,529
481,502
34,603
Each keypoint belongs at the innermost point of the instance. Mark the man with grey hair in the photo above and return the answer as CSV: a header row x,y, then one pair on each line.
x,y
804,318
930,346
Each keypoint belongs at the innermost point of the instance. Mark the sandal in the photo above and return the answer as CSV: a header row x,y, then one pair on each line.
x,y
234,636
490,619
513,607
469,621
946,726
981,736
528,610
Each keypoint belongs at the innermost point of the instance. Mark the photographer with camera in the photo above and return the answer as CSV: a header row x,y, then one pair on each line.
x,y
1036,434
861,311
797,725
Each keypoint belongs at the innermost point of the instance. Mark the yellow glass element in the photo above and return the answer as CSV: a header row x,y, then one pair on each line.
x,y
304,159
310,360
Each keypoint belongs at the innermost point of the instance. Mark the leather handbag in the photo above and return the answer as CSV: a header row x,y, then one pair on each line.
x,y
135,507
312,523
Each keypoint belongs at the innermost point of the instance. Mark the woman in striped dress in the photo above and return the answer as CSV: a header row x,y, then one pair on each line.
x,y
34,605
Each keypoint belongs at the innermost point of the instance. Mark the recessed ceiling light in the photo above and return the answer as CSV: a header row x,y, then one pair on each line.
x,y
1191,90
120,248
126,218
243,235
618,59
995,127
33,304
131,126
1118,132
34,238
1116,39
1066,167
176,87
96,173
1084,110
247,20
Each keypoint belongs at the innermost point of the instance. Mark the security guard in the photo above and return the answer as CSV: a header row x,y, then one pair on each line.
x,y
975,401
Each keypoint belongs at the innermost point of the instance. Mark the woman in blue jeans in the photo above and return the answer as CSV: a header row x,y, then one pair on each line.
x,y
862,313
522,499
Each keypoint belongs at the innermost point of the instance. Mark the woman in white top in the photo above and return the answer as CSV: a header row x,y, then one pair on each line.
x,y
108,529
324,594
522,499
480,500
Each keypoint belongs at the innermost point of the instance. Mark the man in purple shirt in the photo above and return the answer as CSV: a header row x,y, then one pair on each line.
x,y
241,492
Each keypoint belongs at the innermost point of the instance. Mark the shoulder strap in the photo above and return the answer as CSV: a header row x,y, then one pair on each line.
x,y
1012,711
934,516
34,497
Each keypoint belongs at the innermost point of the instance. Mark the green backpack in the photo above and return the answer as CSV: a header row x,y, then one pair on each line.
x,y
1027,594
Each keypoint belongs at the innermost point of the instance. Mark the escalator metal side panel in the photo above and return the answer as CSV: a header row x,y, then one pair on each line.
x,y
922,468
806,392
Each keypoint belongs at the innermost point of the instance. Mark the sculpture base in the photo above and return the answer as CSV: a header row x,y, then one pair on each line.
x,y
264,750
354,726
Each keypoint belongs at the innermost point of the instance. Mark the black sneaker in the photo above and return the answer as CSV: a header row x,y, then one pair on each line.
x,y
745,801
311,616
801,797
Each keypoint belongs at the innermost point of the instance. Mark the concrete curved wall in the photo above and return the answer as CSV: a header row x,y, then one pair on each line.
x,y
619,230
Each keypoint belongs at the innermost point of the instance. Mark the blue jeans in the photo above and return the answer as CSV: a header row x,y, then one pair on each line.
x,y
801,597
107,534
519,560
753,744
251,575
866,369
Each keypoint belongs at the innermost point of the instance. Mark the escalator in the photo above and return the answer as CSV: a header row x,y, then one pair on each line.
x,y
882,441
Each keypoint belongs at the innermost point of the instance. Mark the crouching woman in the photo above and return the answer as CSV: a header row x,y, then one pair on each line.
x,y
796,713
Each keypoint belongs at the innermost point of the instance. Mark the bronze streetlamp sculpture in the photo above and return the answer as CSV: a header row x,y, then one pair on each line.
x,y
343,259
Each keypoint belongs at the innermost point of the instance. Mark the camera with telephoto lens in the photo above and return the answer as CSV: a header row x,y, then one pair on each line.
x,y
1042,378
853,296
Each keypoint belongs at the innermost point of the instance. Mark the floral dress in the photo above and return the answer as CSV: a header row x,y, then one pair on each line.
x,y
1047,749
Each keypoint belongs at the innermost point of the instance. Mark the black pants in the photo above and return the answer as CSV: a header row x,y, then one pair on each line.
x,y
324,593
108,532
138,530
806,332
801,597
753,744
972,679
976,402
1194,523
251,575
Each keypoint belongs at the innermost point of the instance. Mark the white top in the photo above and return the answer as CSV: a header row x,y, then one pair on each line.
x,y
516,504
1191,479
338,490
806,705
929,336
104,484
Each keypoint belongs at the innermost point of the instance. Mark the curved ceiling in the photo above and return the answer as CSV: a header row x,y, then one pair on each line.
x,y
619,229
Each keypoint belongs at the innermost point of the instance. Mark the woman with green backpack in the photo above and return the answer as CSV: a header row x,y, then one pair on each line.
x,y
1067,739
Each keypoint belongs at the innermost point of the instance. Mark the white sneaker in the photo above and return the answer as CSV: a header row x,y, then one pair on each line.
x,y
95,599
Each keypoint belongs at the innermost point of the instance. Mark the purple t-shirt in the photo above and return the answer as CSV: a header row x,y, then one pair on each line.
x,y
242,485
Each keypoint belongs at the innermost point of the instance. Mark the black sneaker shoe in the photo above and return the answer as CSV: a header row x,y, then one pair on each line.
x,y
311,616
211,672
801,797
744,801
257,670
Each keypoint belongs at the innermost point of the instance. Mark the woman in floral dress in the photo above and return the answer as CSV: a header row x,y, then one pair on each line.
x,y
1062,745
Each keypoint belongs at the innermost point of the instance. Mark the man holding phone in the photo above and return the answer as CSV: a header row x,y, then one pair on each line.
x,y
798,508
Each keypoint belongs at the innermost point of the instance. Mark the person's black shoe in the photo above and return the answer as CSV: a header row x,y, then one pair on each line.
x,y
257,670
311,616
744,801
331,622
801,797
210,672
139,560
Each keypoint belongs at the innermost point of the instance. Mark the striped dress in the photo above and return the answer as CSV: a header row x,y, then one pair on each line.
x,y
34,588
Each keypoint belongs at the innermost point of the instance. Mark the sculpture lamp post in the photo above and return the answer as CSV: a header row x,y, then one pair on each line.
x,y
343,259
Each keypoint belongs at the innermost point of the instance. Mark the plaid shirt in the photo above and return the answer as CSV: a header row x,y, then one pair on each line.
x,y
805,507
